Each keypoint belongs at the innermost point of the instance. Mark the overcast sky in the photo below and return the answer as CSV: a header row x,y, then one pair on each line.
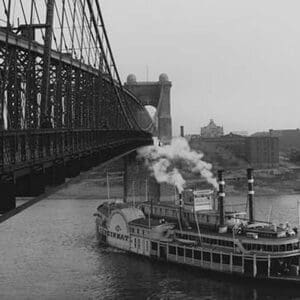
x,y
235,61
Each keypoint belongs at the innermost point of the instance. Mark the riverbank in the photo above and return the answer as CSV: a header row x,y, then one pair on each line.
x,y
281,181
262,191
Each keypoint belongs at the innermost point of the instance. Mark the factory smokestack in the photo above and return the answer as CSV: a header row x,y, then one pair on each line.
x,y
221,196
250,194
182,131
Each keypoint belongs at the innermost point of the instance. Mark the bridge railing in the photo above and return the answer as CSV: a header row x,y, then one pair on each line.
x,y
23,148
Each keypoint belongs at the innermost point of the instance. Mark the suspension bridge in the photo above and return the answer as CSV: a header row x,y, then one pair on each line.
x,y
63,106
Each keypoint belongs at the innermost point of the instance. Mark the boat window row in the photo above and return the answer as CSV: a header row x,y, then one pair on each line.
x,y
223,243
154,246
187,236
189,216
271,248
202,218
138,243
266,234
206,240
167,212
206,256
138,231
173,213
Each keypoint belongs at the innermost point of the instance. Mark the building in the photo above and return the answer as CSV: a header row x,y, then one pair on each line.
x,y
258,151
232,142
262,151
288,138
212,130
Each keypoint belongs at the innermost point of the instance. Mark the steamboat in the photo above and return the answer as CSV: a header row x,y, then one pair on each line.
x,y
199,232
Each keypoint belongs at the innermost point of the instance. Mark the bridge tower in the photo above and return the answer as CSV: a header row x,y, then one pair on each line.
x,y
158,95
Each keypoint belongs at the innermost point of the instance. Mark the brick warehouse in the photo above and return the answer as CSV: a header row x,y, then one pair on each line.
x,y
258,151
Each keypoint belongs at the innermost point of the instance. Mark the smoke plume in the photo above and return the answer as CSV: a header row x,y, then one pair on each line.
x,y
163,162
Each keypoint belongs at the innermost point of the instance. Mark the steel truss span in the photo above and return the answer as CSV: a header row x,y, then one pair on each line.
x,y
60,90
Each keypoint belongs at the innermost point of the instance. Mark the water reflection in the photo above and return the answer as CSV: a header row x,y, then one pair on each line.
x,y
51,251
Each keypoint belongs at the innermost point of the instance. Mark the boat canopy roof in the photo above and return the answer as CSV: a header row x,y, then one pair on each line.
x,y
132,213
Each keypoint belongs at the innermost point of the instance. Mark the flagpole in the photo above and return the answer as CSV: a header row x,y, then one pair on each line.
x,y
149,212
233,237
270,213
133,194
107,186
298,208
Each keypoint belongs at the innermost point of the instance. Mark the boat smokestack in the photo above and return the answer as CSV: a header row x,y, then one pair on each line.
x,y
250,194
180,200
221,196
180,209
182,131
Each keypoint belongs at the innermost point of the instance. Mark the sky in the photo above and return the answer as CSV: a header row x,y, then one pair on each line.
x,y
236,61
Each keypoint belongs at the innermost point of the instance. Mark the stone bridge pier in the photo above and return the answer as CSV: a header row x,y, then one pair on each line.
x,y
138,183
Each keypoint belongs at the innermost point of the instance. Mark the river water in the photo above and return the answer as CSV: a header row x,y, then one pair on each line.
x,y
50,251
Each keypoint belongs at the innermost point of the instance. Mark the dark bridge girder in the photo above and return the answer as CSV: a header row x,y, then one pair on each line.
x,y
60,113
33,160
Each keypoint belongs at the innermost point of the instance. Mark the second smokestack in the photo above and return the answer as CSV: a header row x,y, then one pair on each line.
x,y
250,194
221,197
182,131
180,208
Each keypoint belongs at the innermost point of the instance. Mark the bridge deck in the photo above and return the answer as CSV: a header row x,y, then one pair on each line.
x,y
25,44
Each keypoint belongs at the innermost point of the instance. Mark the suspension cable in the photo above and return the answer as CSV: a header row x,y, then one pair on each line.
x,y
24,15
38,18
53,33
90,33
60,21
106,62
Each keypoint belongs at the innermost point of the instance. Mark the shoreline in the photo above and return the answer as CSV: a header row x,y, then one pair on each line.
x,y
261,191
